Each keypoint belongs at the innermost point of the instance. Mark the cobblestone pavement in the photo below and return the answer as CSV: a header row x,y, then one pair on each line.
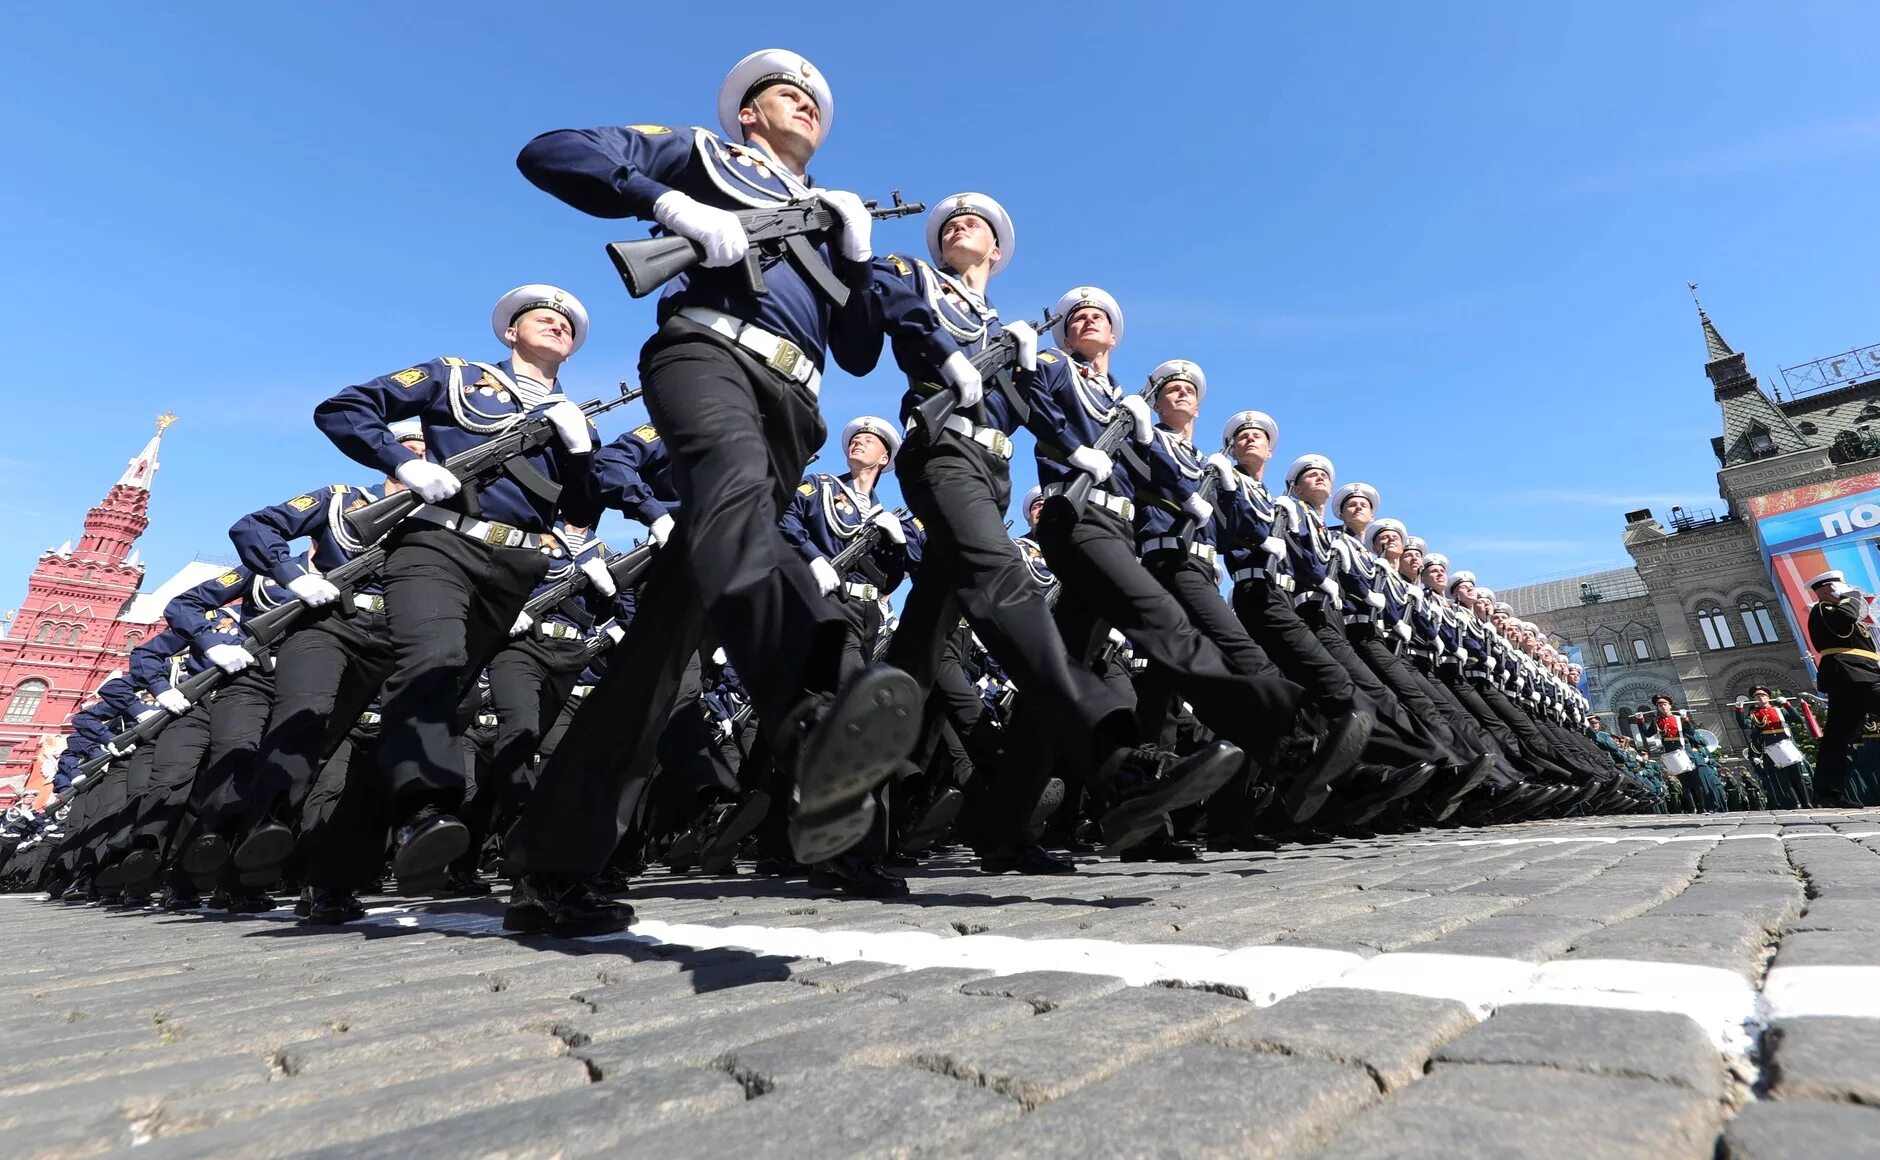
x,y
1652,987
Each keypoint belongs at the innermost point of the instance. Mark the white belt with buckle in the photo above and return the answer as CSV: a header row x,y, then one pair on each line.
x,y
368,603
1279,580
368,718
856,591
991,438
1101,498
557,630
779,353
486,720
483,531
1174,543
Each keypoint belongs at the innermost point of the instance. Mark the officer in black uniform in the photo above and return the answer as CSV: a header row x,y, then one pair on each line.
x,y
1848,674
461,567
731,382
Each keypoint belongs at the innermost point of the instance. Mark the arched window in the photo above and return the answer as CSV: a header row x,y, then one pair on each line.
x,y
1612,652
25,702
1640,649
1715,626
1756,623
45,632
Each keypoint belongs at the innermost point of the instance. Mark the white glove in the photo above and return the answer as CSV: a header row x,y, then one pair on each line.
x,y
963,377
725,727
719,657
718,230
662,530
1027,344
524,622
1117,638
313,590
1092,462
1375,599
1138,409
826,579
857,223
570,425
113,750
432,481
174,701
598,575
230,658
890,525
1199,508
1224,471
615,633
146,714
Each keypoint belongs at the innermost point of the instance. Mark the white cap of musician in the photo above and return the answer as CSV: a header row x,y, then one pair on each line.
x,y
539,296
878,427
1831,576
760,70
985,209
1078,297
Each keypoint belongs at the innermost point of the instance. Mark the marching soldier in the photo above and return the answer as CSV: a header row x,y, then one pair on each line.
x,y
1848,674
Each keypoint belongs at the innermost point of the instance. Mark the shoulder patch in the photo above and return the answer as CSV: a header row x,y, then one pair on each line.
x,y
900,265
229,579
1046,356
301,503
410,377
650,130
918,526
453,361
646,433
806,488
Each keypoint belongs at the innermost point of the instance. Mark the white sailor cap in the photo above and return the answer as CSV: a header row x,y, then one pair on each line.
x,y
1305,463
1244,419
1504,606
1031,497
1532,627
1348,490
1415,544
981,207
1078,297
407,429
537,295
1833,574
1384,525
1180,368
766,67
1482,593
1459,576
878,427
1435,560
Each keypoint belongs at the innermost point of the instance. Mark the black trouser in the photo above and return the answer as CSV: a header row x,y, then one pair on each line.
x,y
1852,695
530,680
344,845
179,753
1105,586
450,602
238,717
1535,744
739,437
1398,739
1412,691
970,567
325,675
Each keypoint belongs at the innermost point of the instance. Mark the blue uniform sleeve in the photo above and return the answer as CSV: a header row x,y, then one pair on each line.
x,y
150,661
190,613
120,696
799,515
1167,478
1043,390
895,307
621,471
263,538
92,727
610,172
358,419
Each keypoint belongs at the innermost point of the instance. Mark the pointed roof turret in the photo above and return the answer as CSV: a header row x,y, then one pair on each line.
x,y
143,468
1715,348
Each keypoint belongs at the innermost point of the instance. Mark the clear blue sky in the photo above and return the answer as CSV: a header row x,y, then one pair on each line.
x,y
1444,243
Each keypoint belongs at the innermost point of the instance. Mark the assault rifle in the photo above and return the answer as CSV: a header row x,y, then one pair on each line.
x,y
995,365
1111,438
647,264
263,631
863,543
502,453
625,567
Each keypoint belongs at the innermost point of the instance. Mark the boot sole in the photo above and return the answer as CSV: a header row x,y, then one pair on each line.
x,y
1136,819
205,856
1472,781
1334,759
427,856
871,726
934,823
1050,800
266,848
720,852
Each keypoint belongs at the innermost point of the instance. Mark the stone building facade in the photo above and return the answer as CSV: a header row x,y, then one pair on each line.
x,y
1697,615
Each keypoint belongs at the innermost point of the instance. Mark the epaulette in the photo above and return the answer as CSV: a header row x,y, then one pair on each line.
x,y
453,361
649,130
1046,356
900,265
646,433
806,488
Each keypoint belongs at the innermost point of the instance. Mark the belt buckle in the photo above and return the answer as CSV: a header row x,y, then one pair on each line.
x,y
869,592
1000,444
498,535
787,357
1125,508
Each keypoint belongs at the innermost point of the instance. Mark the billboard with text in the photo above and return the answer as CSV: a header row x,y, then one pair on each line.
x,y
1805,531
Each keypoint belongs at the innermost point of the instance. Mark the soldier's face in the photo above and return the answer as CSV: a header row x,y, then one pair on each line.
x,y
1435,577
1464,594
1762,699
783,113
867,450
1090,331
1314,485
1410,564
1501,621
1252,448
542,332
1356,510
1483,608
1177,402
1032,512
966,240
1387,544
